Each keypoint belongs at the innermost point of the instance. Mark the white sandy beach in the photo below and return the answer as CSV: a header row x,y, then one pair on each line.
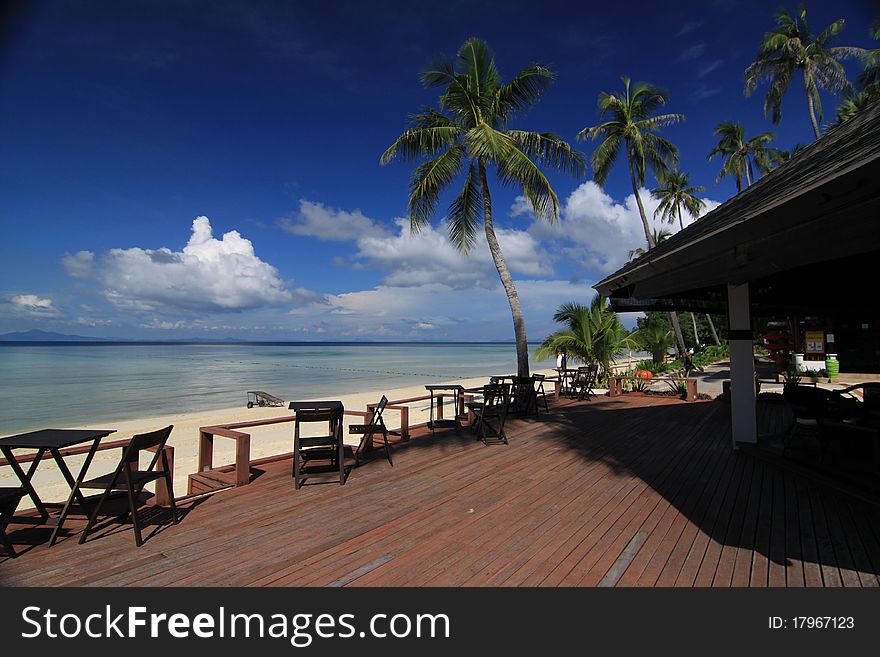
x,y
265,441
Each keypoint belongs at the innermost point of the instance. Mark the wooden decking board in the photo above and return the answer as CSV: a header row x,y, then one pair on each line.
x,y
646,567
694,559
625,491
593,565
703,493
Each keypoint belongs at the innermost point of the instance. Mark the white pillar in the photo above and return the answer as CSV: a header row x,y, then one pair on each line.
x,y
743,409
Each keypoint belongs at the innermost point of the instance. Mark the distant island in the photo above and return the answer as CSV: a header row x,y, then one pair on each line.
x,y
36,335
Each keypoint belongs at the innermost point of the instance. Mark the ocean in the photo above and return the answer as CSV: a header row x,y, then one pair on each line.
x,y
69,384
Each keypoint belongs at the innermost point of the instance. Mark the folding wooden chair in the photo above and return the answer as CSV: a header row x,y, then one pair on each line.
x,y
492,415
9,499
584,380
369,431
540,393
127,477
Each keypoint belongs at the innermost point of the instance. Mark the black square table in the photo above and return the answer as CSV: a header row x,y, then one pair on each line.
x,y
457,405
52,441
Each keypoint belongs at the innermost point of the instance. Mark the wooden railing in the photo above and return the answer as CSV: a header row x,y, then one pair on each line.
x,y
209,478
163,493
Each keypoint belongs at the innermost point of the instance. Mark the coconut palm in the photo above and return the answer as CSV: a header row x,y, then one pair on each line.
x,y
741,157
790,48
660,236
469,134
855,101
631,125
674,193
654,335
593,334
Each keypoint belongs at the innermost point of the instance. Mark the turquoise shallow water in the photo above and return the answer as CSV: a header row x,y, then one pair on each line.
x,y
60,385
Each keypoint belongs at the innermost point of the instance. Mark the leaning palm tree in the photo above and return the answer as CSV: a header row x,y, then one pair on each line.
x,y
469,134
741,157
632,126
593,334
792,47
674,193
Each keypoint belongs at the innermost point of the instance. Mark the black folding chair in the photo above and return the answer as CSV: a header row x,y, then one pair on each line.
x,y
369,432
127,477
492,415
540,393
584,380
9,499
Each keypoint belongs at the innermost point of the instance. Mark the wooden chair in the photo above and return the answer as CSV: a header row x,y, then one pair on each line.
x,y
127,477
584,380
327,448
9,499
369,431
493,414
540,393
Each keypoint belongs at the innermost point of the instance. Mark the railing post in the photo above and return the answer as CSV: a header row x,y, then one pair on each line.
x,y
439,407
691,389
404,423
164,493
243,460
206,451
470,413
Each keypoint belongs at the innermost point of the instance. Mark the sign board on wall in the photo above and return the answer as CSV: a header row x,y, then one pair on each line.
x,y
815,342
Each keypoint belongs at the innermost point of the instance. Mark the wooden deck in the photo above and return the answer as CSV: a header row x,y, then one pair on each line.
x,y
631,491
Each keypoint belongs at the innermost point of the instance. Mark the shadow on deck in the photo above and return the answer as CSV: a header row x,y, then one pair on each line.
x,y
628,491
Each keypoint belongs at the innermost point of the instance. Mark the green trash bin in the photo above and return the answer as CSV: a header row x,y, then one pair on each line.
x,y
832,366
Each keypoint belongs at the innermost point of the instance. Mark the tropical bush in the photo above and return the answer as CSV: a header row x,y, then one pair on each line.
x,y
654,334
593,334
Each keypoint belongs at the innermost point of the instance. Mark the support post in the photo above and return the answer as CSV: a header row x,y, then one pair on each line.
x,y
743,405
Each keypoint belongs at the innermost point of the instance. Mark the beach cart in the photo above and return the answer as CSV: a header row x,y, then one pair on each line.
x,y
260,398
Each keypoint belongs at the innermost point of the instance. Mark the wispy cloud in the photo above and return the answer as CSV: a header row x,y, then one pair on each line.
x,y
690,26
694,52
703,92
708,67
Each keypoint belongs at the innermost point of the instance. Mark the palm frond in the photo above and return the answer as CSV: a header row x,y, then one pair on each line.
x,y
428,181
464,212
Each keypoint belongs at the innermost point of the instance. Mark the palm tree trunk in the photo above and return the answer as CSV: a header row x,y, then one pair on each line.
x,y
696,335
680,222
519,322
748,175
673,316
712,327
811,106
632,177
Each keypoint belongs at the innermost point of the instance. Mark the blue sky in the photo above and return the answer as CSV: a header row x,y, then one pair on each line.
x,y
180,169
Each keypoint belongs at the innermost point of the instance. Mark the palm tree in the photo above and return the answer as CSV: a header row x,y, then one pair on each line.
x,y
631,125
469,133
655,336
855,101
660,236
792,47
593,334
741,157
674,193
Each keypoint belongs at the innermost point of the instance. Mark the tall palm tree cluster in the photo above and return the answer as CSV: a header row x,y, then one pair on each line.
x,y
468,135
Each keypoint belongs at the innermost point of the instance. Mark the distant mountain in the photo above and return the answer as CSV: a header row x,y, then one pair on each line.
x,y
45,336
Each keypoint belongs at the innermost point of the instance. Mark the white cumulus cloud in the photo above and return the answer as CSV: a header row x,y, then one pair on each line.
x,y
332,224
31,305
209,274
79,264
598,232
